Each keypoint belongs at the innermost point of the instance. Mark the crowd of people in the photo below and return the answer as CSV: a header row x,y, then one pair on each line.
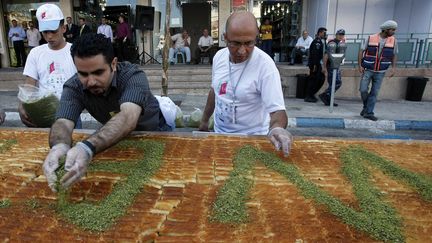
x,y
245,96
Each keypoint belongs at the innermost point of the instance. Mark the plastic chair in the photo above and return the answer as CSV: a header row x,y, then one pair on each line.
x,y
180,57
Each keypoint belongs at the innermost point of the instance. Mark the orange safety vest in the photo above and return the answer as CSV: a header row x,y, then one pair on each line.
x,y
371,60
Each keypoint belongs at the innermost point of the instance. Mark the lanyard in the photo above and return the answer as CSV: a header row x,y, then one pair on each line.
x,y
234,87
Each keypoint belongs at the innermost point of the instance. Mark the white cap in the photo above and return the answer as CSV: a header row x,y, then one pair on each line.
x,y
49,16
389,24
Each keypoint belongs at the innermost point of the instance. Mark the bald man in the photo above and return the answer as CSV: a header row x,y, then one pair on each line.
x,y
246,93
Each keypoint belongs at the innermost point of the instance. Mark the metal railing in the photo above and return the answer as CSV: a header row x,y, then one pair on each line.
x,y
414,49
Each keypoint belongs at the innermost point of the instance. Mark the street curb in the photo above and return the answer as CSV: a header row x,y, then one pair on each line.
x,y
308,122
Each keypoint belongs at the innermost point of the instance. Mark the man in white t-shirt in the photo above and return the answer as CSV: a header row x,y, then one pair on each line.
x,y
33,36
105,29
205,47
246,95
50,65
302,46
181,43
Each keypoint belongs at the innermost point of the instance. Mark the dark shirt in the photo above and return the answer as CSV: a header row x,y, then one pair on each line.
x,y
129,84
74,31
316,52
123,31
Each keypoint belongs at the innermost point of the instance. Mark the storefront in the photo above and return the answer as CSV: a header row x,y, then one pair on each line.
x,y
192,15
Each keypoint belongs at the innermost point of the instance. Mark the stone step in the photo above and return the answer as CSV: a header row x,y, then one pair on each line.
x,y
182,78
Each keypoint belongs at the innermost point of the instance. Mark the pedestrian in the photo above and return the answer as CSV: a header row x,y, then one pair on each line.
x,y
17,36
105,29
376,56
122,39
266,37
49,65
72,30
116,94
317,75
84,28
33,36
327,67
246,92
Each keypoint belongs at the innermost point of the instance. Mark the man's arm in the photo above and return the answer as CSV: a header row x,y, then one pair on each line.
x,y
359,60
117,128
61,132
208,111
278,119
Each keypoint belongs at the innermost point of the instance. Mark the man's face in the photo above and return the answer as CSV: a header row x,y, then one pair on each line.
x,y
82,22
55,37
121,19
184,33
340,37
205,32
305,34
14,23
30,24
69,20
323,34
103,20
390,32
95,73
240,42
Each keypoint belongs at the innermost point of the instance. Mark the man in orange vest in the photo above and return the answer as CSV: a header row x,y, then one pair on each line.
x,y
378,53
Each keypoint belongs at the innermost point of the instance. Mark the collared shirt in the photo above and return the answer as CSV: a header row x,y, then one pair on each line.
x,y
179,41
306,43
17,30
205,41
129,84
123,31
33,37
105,30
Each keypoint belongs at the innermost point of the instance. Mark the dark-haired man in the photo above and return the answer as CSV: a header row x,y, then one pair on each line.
x,y
48,66
116,94
316,73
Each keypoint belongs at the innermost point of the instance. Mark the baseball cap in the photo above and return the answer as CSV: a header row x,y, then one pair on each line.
x,y
389,24
340,32
49,16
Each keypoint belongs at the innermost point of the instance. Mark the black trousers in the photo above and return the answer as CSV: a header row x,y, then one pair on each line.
x,y
20,53
316,80
198,53
121,49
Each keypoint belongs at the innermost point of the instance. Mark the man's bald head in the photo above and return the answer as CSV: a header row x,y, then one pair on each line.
x,y
242,20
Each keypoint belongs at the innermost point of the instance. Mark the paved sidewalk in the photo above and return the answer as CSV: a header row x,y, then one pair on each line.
x,y
392,115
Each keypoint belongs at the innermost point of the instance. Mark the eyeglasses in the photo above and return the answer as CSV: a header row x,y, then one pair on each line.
x,y
237,44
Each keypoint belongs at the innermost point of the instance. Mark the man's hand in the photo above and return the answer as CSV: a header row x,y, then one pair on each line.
x,y
391,72
281,139
361,69
24,117
51,163
77,160
2,116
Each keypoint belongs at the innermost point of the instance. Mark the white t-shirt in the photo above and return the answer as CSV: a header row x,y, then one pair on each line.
x,y
305,43
205,41
258,93
52,68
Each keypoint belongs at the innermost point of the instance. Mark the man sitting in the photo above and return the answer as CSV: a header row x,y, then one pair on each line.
x,y
205,47
302,47
181,43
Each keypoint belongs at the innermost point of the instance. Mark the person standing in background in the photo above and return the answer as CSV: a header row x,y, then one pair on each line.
x,y
105,29
122,39
84,29
33,36
17,36
266,37
72,30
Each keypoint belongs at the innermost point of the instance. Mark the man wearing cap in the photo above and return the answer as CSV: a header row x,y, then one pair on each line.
x,y
325,96
376,56
17,35
49,66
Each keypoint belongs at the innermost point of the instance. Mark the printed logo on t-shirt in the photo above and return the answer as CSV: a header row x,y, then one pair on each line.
x,y
222,89
51,67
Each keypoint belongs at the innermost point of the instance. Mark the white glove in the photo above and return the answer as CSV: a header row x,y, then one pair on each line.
x,y
281,138
77,160
51,163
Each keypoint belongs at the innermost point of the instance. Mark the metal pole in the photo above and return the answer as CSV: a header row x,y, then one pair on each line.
x,y
333,90
420,50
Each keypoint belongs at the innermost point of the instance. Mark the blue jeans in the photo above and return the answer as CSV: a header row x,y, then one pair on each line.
x,y
330,80
172,53
370,98
266,46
